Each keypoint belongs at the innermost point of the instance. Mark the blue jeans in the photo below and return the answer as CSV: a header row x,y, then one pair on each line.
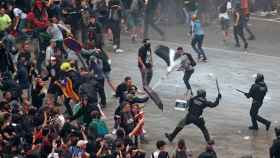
x,y
196,43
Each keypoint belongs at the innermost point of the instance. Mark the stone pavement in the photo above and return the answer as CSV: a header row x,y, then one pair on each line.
x,y
228,122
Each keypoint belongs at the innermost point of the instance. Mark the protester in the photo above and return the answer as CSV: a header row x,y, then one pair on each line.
x,y
149,15
224,16
181,150
161,150
187,64
197,38
145,62
5,22
238,28
53,65
209,152
115,16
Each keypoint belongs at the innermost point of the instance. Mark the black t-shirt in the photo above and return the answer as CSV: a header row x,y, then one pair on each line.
x,y
120,91
241,19
146,55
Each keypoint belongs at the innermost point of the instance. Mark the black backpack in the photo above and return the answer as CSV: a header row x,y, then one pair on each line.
x,y
193,63
223,7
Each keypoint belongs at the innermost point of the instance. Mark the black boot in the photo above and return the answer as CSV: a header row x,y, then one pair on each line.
x,y
171,136
268,126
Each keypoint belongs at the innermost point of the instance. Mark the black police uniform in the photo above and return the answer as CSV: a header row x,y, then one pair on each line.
x,y
274,151
196,106
257,92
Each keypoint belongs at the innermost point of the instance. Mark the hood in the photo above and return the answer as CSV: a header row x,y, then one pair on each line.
x,y
261,83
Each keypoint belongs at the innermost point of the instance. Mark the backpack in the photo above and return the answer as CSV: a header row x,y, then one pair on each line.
x,y
223,7
193,63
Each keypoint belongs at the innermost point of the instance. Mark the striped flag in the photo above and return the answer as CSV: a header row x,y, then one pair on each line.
x,y
67,89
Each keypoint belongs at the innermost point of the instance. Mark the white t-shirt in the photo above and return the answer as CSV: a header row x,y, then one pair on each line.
x,y
225,15
20,13
49,53
55,32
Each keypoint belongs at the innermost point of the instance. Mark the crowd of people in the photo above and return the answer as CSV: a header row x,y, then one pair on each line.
x,y
53,67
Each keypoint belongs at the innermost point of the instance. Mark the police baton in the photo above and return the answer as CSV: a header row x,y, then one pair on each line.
x,y
218,87
240,91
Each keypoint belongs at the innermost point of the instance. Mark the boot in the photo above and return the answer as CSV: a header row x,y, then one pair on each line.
x,y
268,126
171,136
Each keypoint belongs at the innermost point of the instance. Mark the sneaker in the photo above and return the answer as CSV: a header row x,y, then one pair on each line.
x,y
119,51
204,60
253,128
115,47
237,45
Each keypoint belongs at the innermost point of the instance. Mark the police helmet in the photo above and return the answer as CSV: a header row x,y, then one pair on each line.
x,y
259,77
201,93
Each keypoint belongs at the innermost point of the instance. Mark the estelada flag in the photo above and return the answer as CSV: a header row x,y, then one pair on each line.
x,y
67,89
154,96
72,44
139,128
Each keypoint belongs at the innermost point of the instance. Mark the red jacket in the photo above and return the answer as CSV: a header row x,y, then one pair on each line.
x,y
38,23
245,6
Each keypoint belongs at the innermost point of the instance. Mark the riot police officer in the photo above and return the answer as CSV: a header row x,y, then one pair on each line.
x,y
274,150
196,106
257,92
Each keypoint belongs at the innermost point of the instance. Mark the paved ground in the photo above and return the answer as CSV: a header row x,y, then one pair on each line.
x,y
228,122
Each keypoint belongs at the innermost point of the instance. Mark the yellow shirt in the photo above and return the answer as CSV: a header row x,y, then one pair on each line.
x,y
5,22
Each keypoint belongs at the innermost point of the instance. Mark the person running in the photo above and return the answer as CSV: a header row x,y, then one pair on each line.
x,y
224,17
150,12
197,38
187,65
257,91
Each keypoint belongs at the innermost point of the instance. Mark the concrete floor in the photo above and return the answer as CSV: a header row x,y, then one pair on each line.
x,y
226,123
